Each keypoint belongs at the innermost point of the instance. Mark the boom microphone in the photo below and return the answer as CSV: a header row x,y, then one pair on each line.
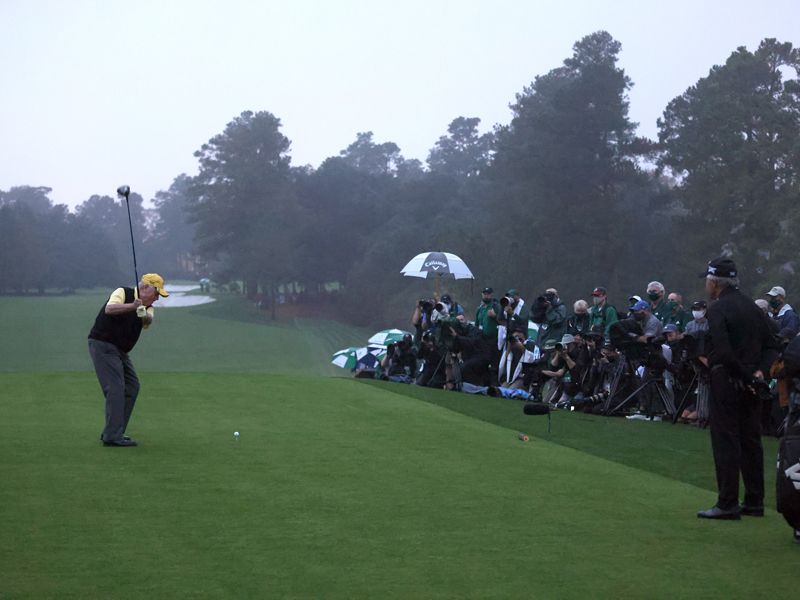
x,y
538,408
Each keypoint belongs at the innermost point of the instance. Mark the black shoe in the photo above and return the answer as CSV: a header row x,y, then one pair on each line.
x,y
715,512
120,442
124,437
751,511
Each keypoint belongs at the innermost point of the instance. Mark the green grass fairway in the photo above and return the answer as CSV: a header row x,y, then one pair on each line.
x,y
49,334
339,488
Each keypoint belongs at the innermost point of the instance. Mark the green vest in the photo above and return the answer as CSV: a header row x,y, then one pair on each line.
x,y
487,324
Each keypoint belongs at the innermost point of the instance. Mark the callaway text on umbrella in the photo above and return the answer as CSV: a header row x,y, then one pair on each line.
x,y
438,265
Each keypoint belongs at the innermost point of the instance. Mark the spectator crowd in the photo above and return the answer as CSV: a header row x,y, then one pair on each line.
x,y
646,360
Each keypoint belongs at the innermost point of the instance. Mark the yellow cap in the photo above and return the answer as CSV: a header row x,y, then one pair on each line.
x,y
157,281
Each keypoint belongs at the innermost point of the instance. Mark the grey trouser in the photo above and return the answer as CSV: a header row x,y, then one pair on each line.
x,y
119,383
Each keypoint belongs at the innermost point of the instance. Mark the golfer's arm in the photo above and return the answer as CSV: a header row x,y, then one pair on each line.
x,y
116,304
118,309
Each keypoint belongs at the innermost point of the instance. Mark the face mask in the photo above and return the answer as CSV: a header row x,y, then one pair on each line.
x,y
774,303
597,300
653,296
698,314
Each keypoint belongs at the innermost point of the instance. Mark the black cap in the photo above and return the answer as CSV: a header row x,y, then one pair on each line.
x,y
447,299
699,305
487,290
599,291
721,267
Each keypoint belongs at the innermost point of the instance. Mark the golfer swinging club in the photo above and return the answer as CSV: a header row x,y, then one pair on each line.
x,y
116,331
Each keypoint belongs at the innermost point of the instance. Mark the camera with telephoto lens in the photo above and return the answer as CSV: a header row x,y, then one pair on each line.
x,y
506,301
425,305
558,347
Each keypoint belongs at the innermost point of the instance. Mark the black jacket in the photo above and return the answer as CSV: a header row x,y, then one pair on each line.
x,y
740,341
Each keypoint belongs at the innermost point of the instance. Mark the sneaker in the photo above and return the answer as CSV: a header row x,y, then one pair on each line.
x,y
656,418
797,536
637,417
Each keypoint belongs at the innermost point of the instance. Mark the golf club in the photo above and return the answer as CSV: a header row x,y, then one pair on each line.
x,y
125,191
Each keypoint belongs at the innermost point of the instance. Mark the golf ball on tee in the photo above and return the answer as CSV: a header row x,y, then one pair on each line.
x,y
236,434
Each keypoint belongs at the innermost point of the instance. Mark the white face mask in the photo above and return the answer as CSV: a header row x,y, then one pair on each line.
x,y
698,314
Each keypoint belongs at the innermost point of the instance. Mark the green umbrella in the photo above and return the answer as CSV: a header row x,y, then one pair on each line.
x,y
349,357
387,336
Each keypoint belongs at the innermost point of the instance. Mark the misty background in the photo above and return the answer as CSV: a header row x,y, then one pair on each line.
x,y
311,150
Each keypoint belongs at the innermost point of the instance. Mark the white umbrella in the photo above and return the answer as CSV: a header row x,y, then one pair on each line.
x,y
438,265
349,357
386,337
433,264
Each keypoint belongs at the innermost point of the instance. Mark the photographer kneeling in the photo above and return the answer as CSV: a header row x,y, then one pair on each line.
x,y
570,361
433,371
515,357
400,362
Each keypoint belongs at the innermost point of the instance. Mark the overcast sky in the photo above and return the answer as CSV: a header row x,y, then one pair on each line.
x,y
99,93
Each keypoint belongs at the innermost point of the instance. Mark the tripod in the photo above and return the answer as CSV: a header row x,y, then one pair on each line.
x,y
650,380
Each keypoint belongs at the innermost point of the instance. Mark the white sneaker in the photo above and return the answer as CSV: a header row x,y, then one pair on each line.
x,y
656,418
637,417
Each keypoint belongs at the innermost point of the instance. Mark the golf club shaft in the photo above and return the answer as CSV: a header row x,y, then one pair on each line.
x,y
133,246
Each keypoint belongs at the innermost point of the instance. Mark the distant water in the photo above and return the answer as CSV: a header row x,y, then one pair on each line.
x,y
177,297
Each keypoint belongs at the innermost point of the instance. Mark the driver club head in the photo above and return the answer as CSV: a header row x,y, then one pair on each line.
x,y
124,190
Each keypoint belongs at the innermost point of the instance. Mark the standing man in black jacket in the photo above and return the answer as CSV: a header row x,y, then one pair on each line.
x,y
742,350
115,332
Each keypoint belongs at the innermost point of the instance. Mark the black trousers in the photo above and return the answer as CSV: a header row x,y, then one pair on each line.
x,y
736,441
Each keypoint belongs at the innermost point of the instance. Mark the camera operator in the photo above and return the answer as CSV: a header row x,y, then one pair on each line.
x,y
512,364
591,378
433,371
570,360
580,321
673,353
471,349
421,319
400,362
554,319
513,317
695,356
651,326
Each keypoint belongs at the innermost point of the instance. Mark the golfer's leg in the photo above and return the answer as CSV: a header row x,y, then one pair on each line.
x,y
725,438
110,373
752,450
131,388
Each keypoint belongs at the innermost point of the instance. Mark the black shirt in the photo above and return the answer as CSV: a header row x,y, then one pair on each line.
x,y
740,338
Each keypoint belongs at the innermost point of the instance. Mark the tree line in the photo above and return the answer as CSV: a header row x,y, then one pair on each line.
x,y
565,195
